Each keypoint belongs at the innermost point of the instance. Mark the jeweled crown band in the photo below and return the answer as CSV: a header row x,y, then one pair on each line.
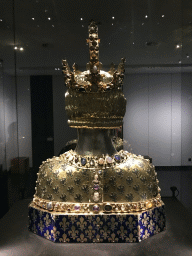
x,y
105,207
103,110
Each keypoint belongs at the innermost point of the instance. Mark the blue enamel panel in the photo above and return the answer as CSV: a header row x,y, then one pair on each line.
x,y
104,228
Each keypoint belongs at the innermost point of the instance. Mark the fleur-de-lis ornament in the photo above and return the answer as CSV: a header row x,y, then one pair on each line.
x,y
73,232
82,238
47,235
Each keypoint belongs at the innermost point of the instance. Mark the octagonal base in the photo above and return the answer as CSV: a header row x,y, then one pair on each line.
x,y
102,228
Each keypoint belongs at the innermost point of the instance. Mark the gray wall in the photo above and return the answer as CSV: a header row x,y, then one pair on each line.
x,y
186,118
158,120
24,117
158,123
8,122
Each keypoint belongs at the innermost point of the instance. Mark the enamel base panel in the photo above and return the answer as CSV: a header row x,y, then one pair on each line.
x,y
100,228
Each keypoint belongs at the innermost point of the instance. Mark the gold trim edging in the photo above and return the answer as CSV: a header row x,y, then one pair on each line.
x,y
126,207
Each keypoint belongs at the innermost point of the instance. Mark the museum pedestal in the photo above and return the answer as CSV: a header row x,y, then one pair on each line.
x,y
176,240
107,228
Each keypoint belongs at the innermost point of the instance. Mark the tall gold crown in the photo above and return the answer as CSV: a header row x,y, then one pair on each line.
x,y
94,98
93,79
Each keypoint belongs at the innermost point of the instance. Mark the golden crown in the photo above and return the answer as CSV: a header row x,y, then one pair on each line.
x,y
93,79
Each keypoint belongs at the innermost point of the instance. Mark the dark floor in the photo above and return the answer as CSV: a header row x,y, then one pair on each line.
x,y
15,239
15,187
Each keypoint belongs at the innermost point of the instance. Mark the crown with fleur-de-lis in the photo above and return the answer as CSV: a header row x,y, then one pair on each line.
x,y
93,79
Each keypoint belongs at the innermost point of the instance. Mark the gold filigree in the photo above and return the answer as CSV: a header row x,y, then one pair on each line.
x,y
96,84
47,235
94,78
41,226
105,232
127,187
131,238
82,238
113,238
34,216
112,224
98,222
157,214
55,233
64,238
73,232
157,229
34,229
145,220
40,214
122,232
130,223
98,239
82,223
151,225
121,218
90,232
47,220
73,219
64,224
146,235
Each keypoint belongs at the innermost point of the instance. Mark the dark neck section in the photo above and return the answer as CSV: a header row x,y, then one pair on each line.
x,y
94,142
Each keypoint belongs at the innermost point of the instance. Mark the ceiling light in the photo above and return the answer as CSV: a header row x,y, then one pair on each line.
x,y
146,16
163,16
179,61
133,43
46,10
1,20
178,46
81,19
53,26
112,24
82,26
15,48
109,43
21,49
142,24
33,18
58,69
187,56
55,68
113,18
49,18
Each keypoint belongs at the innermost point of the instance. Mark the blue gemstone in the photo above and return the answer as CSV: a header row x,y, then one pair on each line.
x,y
83,161
96,187
96,208
117,158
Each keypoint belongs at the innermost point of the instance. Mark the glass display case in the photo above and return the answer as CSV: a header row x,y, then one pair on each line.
x,y
155,38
